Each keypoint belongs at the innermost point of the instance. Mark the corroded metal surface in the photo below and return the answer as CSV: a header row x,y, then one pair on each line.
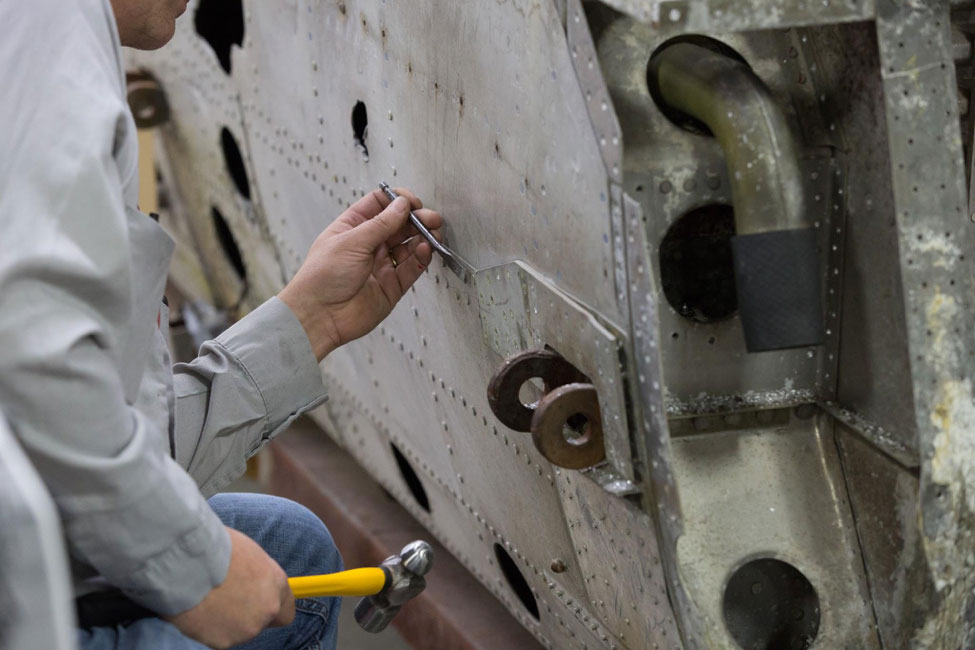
x,y
520,309
742,15
934,237
503,389
599,228
583,446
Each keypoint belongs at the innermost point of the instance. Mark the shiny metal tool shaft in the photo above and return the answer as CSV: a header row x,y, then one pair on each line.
x,y
454,262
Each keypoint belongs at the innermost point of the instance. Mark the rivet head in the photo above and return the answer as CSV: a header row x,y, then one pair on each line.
x,y
558,566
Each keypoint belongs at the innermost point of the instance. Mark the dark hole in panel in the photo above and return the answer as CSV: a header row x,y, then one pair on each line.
x,y
360,122
681,119
221,24
162,190
697,272
228,243
234,162
516,580
411,479
770,605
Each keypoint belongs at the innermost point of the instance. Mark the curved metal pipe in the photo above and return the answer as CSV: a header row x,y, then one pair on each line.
x,y
723,93
775,254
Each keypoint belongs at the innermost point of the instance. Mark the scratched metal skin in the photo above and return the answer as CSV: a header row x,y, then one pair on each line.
x,y
529,126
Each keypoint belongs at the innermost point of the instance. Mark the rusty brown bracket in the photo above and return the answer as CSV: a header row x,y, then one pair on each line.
x,y
550,367
567,428
565,423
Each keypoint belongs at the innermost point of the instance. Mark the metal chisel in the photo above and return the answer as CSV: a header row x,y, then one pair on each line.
x,y
451,260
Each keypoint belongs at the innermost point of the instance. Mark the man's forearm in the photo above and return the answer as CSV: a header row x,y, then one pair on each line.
x,y
244,388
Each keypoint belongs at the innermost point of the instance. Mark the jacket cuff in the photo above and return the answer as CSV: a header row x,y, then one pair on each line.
x,y
274,350
185,573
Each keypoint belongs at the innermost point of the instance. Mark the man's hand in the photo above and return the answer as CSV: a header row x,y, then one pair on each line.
x,y
359,268
254,595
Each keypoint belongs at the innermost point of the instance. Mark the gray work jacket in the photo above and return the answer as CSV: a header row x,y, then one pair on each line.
x,y
127,445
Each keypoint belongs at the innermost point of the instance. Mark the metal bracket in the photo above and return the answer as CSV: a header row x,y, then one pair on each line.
x,y
520,310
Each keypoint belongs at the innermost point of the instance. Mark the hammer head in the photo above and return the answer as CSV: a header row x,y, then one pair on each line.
x,y
404,580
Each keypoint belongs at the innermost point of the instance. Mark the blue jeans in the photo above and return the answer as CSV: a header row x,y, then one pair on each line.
x,y
296,539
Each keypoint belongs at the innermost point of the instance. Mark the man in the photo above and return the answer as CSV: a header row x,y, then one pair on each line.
x,y
127,445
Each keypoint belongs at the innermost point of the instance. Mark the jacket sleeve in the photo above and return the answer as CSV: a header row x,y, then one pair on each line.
x,y
129,510
245,387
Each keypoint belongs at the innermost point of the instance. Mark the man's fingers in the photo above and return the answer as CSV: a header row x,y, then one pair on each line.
x,y
287,612
411,268
370,206
415,202
403,252
377,230
376,201
432,220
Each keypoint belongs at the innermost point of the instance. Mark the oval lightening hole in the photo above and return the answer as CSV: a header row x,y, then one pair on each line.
x,y
679,118
221,24
411,479
360,124
234,162
516,580
228,243
697,271
771,605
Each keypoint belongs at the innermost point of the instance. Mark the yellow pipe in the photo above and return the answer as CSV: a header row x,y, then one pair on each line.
x,y
354,582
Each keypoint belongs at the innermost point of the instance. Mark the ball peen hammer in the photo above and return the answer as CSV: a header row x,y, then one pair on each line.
x,y
386,589
404,581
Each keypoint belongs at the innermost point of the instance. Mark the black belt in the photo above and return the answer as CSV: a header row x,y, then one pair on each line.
x,y
108,609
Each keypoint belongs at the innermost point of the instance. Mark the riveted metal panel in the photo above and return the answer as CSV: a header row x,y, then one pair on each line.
x,y
874,382
742,15
934,236
614,533
672,172
529,125
203,101
521,311
526,197
738,508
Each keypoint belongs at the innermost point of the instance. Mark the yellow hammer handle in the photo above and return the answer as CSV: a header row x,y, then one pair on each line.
x,y
354,582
